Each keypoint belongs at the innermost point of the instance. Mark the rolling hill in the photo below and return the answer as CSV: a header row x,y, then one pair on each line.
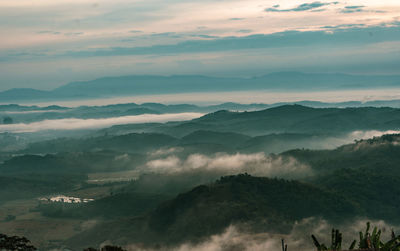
x,y
290,119
339,192
261,204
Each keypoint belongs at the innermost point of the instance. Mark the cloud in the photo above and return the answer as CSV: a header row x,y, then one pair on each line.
x,y
166,34
167,164
358,8
357,135
245,31
343,26
84,124
203,36
301,7
257,164
106,23
73,33
352,9
60,33
340,37
236,19
166,151
49,32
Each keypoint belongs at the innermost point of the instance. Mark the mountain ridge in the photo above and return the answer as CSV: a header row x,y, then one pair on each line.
x,y
153,84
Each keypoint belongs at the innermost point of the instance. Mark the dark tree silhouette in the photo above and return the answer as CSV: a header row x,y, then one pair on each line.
x,y
7,120
15,243
112,248
106,248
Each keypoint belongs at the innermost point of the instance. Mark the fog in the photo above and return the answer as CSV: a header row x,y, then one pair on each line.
x,y
244,97
80,124
332,142
299,238
370,134
257,164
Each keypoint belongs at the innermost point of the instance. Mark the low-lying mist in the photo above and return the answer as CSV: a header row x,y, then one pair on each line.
x,y
236,238
80,124
256,164
357,135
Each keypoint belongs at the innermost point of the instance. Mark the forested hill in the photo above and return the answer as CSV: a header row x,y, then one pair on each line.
x,y
292,119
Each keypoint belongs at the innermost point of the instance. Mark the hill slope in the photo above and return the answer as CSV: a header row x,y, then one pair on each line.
x,y
292,119
259,203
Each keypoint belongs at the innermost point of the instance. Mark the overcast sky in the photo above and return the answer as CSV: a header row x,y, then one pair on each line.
x,y
47,43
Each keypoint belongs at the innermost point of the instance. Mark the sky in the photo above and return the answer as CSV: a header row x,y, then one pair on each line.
x,y
47,43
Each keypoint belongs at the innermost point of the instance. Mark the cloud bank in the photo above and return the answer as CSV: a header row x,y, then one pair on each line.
x,y
301,7
257,164
84,124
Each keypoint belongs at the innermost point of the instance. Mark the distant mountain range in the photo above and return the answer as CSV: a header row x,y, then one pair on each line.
x,y
281,119
142,85
28,114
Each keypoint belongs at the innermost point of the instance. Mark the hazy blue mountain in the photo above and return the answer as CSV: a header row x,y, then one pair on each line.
x,y
27,114
146,84
18,94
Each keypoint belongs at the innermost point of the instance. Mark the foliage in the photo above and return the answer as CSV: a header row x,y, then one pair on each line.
x,y
106,248
15,243
367,241
264,203
7,120
336,242
284,246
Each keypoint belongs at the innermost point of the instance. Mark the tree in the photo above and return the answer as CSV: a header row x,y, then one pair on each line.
x,y
7,120
106,248
368,241
15,243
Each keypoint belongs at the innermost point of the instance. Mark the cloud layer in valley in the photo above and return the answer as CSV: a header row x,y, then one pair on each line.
x,y
84,124
257,164
357,135
245,97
